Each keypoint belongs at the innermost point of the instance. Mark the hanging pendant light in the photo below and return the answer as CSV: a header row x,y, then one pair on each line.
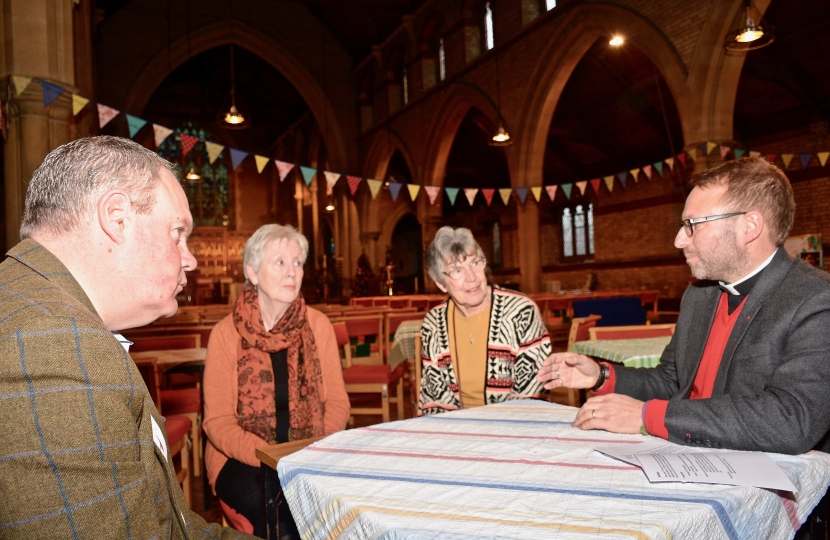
x,y
753,32
192,175
232,115
502,137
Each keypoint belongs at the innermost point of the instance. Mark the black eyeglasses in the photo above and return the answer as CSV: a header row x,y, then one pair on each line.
x,y
689,224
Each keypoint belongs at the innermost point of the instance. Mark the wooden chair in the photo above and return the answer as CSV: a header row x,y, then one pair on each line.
x,y
397,303
631,332
420,304
579,332
364,302
416,378
392,321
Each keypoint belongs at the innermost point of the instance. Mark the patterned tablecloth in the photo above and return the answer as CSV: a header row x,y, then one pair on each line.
x,y
403,348
519,470
639,352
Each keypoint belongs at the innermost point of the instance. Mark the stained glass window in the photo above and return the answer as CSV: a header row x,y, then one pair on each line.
x,y
442,60
578,231
567,233
488,27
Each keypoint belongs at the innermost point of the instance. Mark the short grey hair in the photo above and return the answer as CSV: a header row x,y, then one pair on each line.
x,y
255,246
64,190
450,245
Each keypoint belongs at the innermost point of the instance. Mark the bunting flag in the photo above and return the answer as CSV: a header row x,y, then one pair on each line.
x,y
105,114
50,93
236,157
659,167
374,186
609,183
470,193
709,147
488,195
78,103
522,193
634,174
452,194
394,190
771,157
432,193
160,133
581,185
702,147
670,162
755,154
505,195
822,158
551,191
284,168
787,158
213,150
261,162
135,124
20,83
188,142
805,159
308,174
354,183
595,184
622,178
566,189
413,190
724,150
331,179
692,154
537,193
738,152
647,171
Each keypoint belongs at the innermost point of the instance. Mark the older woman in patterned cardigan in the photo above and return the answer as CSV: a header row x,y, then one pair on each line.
x,y
484,344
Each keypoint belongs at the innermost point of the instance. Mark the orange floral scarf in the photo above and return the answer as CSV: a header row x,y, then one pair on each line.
x,y
256,407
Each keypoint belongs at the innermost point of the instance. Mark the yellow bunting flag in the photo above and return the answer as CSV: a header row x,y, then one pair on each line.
x,y
822,157
78,103
709,147
261,162
413,190
609,182
374,186
20,83
505,195
213,150
692,153
634,174
786,158
537,192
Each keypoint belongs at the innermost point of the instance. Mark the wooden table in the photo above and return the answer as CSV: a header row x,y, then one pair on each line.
x,y
636,352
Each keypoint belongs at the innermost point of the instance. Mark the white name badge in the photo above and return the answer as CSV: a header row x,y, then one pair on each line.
x,y
158,437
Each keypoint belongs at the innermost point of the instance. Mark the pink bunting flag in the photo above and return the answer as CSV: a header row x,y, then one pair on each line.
x,y
551,191
188,142
595,184
488,195
105,114
432,193
331,178
283,168
470,193
160,133
647,171
724,150
582,185
670,163
354,182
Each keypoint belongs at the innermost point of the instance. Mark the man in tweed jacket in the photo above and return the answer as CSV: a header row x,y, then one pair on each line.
x,y
82,451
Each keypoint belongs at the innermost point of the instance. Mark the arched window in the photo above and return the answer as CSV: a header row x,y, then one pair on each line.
x,y
550,4
442,60
489,38
496,231
405,85
578,231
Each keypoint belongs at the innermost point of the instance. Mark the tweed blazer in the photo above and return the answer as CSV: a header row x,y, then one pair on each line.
x,y
77,457
772,390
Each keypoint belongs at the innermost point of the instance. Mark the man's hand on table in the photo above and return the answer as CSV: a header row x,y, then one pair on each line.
x,y
569,370
612,412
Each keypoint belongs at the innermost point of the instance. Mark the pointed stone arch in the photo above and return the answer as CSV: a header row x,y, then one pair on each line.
x,y
384,143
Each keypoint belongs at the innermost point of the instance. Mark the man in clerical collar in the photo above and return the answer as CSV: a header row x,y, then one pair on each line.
x,y
748,365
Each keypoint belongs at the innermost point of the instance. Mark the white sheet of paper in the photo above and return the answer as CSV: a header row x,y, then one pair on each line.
x,y
158,438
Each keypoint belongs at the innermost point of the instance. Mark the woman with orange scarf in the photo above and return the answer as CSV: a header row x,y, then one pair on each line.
x,y
272,372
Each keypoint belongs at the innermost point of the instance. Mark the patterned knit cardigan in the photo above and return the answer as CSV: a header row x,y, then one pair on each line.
x,y
517,344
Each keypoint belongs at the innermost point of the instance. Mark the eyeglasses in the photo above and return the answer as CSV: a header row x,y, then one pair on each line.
x,y
689,224
459,272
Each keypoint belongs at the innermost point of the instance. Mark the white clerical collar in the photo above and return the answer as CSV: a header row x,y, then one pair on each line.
x,y
730,287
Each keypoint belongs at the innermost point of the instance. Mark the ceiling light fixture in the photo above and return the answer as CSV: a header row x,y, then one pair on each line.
x,y
233,117
753,33
192,175
502,137
616,41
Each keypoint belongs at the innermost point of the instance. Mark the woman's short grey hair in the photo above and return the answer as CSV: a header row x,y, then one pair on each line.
x,y
64,190
450,245
258,242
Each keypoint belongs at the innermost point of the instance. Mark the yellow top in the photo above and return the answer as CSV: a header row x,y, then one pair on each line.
x,y
468,350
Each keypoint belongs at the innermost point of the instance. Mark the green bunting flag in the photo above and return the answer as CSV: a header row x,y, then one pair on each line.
x,y
452,193
566,189
308,173
659,167
135,124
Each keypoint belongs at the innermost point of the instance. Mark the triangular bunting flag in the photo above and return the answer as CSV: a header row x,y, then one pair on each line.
x,y
551,191
753,153
703,148
135,124
659,167
609,182
331,178
432,193
505,195
50,93
488,195
622,177
635,173
770,157
105,114
739,153
261,162
787,158
595,184
537,192
188,142
236,157
692,154
470,193
354,182
822,157
395,189
805,159
213,150
566,188
709,147
581,185
308,174
647,171
522,193
78,103
374,186
670,162
160,133
724,150
452,193
284,168
413,190
20,83
682,158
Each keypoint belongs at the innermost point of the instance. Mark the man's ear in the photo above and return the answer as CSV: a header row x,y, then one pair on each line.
x,y
753,226
114,212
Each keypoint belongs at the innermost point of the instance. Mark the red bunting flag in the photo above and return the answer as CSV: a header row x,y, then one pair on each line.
x,y
488,195
771,157
682,157
595,184
188,142
354,182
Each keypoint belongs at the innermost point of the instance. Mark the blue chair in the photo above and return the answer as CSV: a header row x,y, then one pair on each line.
x,y
622,311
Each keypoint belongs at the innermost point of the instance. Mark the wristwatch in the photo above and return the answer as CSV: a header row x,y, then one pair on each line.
x,y
604,373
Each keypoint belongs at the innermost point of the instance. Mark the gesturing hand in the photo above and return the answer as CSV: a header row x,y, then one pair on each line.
x,y
570,370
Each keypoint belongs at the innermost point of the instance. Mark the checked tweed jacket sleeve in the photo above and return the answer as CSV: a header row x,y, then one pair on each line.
x,y
77,458
517,345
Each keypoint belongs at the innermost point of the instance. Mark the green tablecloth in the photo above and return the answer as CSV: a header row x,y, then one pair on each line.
x,y
639,352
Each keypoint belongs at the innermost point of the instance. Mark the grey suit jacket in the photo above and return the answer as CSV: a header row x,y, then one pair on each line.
x,y
772,391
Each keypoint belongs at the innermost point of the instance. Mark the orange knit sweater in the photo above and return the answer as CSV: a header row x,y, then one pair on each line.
x,y
225,437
